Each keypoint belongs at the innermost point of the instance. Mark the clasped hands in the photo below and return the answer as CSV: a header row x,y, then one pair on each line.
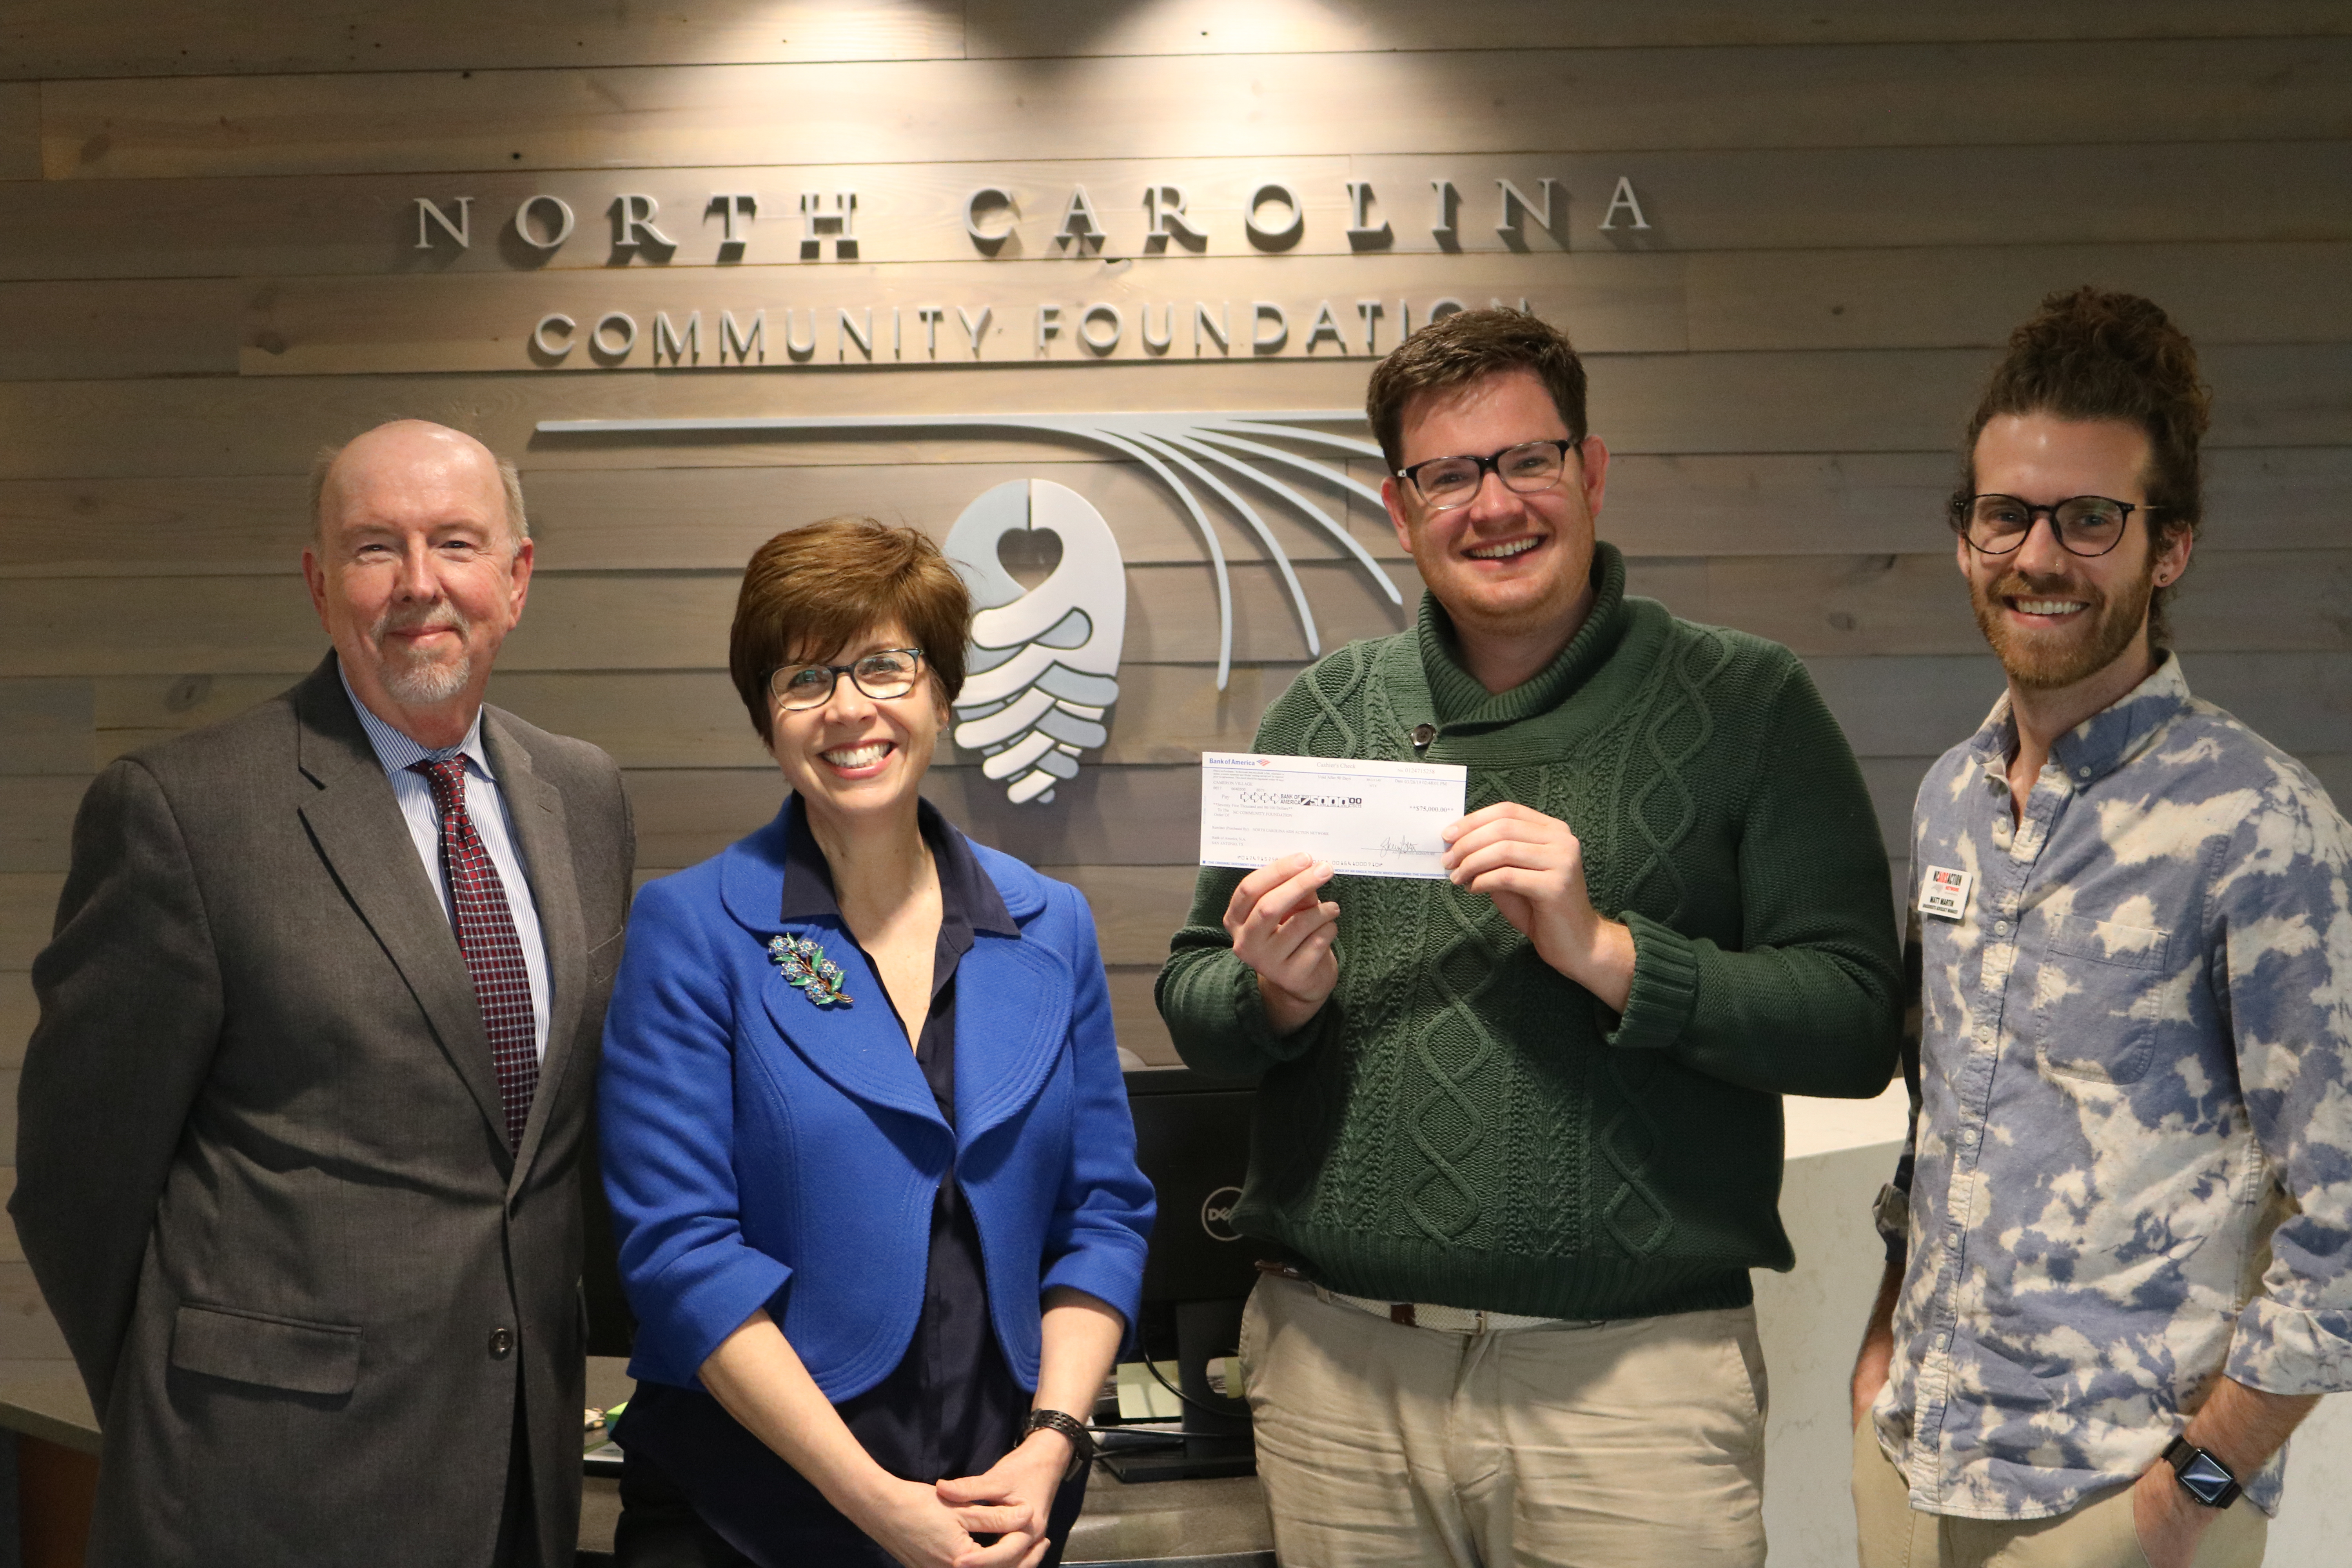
x,y
935,1526
1530,865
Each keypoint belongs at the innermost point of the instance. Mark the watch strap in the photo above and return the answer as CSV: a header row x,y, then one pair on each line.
x,y
1082,1442
2207,1481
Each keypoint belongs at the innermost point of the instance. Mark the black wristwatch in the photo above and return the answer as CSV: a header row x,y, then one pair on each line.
x,y
2205,1478
1082,1442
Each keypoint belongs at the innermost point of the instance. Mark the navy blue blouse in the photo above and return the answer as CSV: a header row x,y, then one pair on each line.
x,y
951,1407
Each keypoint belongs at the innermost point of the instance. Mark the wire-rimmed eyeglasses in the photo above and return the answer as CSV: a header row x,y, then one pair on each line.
x,y
882,675
2085,525
1445,483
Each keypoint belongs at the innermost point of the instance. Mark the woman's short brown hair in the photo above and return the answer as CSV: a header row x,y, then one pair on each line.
x,y
808,591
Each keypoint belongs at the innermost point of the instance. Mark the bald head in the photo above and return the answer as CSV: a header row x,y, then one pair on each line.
x,y
409,451
418,566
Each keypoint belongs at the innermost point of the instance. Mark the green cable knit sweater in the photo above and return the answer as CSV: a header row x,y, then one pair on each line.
x,y
1463,1124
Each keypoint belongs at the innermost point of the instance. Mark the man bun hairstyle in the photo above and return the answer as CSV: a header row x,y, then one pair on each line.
x,y
2092,354
1453,351
809,590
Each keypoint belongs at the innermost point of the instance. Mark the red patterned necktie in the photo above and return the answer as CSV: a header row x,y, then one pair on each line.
x,y
485,935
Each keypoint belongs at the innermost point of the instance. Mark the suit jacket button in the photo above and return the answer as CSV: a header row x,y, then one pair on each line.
x,y
501,1341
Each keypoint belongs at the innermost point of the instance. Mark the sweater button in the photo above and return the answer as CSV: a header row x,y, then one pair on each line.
x,y
501,1343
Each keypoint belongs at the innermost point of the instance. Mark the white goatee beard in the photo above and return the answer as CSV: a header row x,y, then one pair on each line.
x,y
420,681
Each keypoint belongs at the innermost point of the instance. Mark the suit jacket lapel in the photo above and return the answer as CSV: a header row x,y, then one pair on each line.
x,y
859,1047
356,823
536,809
1013,1010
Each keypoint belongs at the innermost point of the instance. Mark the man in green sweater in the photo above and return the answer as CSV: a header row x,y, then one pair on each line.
x,y
1518,1139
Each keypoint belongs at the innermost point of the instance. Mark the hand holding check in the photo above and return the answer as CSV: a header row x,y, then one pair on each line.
x,y
1532,865
1281,929
1361,813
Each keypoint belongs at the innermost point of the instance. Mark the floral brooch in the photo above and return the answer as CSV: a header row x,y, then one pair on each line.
x,y
804,965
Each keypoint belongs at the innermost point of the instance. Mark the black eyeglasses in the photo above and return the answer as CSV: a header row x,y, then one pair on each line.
x,y
882,675
2085,525
1445,483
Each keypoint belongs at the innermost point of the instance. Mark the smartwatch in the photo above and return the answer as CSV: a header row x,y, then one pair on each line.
x,y
2205,1478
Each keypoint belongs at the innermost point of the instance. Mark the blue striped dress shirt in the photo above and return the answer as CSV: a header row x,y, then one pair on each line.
x,y
487,806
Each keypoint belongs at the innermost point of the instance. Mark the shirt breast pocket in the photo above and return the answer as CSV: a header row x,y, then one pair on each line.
x,y
2097,996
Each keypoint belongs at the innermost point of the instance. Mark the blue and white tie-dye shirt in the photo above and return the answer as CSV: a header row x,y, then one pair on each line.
x,y
2134,1148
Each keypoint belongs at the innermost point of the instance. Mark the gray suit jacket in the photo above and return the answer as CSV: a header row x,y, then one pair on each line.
x,y
262,1173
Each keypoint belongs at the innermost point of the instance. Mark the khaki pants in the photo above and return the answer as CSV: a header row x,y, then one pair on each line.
x,y
2098,1534
1621,1445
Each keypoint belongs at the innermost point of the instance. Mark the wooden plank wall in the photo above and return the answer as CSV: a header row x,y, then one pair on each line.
x,y
206,272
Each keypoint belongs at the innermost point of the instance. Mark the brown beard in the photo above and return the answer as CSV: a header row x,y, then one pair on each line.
x,y
2045,662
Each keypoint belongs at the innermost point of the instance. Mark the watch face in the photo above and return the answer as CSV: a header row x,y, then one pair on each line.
x,y
2207,1481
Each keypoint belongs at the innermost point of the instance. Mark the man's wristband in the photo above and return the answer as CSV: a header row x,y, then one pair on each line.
x,y
2205,1479
1082,1442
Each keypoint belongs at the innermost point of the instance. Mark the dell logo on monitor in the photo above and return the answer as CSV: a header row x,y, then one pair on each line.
x,y
1217,1214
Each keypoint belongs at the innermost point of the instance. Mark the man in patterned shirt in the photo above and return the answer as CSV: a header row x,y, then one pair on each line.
x,y
2126,1271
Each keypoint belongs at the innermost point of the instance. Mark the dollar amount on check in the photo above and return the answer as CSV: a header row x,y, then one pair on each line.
x,y
1368,819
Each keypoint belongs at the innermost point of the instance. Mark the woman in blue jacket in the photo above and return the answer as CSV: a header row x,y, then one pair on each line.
x,y
864,1130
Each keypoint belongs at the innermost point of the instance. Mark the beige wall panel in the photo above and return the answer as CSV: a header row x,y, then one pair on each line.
x,y
1137,908
2286,500
1923,705
705,518
1105,816
273,426
665,519
1955,297
72,528
673,518
1848,401
168,37
1733,199
45,726
347,326
257,626
2270,601
20,131
692,719
28,908
37,812
2278,601
1269,107
1255,26
1136,1016
1894,784
155,37
132,711
1612,304
60,332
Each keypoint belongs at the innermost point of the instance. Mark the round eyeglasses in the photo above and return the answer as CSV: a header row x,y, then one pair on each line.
x,y
2085,525
1445,483
882,675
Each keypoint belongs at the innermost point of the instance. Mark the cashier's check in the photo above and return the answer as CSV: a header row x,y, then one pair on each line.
x,y
1368,819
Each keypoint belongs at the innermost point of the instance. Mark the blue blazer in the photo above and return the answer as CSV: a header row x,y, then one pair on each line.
x,y
761,1151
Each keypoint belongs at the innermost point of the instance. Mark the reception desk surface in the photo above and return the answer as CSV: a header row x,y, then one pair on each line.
x,y
1166,1524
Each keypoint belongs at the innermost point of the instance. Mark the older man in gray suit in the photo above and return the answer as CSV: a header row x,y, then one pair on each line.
x,y
300,1134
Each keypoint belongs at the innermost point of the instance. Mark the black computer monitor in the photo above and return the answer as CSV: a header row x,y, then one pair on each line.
x,y
1192,1139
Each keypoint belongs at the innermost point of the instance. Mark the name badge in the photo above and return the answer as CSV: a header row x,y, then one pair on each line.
x,y
1944,892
